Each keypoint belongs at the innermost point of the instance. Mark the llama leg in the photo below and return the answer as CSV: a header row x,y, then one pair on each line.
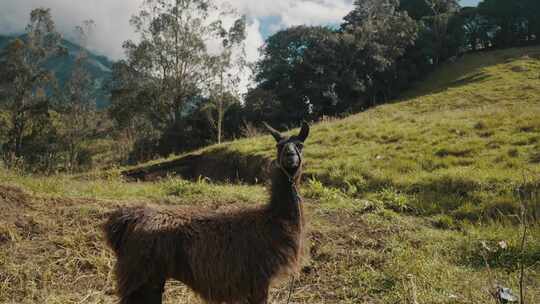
x,y
260,297
149,293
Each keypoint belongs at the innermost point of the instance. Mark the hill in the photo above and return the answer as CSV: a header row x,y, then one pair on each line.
x,y
413,202
98,66
473,125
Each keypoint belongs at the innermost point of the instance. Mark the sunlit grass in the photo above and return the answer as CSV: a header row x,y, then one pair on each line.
x,y
477,129
419,200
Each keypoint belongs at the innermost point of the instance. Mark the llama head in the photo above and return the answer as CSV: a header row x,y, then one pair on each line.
x,y
289,149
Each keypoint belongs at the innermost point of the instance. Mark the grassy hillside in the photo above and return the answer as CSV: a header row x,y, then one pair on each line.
x,y
461,143
412,202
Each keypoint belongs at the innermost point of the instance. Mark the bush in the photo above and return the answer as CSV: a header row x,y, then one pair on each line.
x,y
394,200
468,212
454,184
444,221
501,208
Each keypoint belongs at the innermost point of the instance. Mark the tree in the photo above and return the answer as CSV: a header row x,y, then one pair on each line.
x,y
78,109
419,9
441,27
310,72
226,69
24,83
477,29
166,73
378,35
298,66
509,19
531,10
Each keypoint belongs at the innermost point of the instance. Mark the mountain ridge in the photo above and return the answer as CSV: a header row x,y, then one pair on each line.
x,y
98,66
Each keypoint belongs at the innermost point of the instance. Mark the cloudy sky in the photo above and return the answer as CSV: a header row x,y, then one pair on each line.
x,y
112,18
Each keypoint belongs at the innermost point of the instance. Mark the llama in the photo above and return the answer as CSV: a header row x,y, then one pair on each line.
x,y
224,257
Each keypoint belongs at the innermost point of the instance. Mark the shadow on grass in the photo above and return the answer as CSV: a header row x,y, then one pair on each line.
x,y
218,165
498,256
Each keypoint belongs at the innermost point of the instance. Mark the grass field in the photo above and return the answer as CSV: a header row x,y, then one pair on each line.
x,y
419,201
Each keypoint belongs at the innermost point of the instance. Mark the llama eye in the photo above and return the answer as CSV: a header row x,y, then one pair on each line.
x,y
300,146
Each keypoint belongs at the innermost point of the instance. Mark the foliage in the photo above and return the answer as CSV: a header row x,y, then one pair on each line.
x,y
394,200
444,148
475,110
25,81
225,75
516,21
167,74
98,66
383,47
308,72
298,76
48,104
78,113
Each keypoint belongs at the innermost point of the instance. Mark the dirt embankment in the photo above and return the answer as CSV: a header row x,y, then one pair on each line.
x,y
13,222
219,165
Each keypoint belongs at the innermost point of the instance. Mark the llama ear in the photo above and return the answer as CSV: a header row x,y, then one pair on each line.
x,y
274,132
304,132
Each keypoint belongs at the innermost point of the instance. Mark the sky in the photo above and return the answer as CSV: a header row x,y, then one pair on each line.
x,y
469,2
112,18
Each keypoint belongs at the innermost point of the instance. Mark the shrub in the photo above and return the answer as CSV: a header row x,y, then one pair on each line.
x,y
394,200
500,208
444,221
468,212
455,184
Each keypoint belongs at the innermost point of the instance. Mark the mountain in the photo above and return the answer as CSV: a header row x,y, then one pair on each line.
x,y
98,66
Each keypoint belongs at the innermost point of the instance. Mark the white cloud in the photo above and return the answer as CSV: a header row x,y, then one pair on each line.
x,y
315,13
111,18
296,12
113,28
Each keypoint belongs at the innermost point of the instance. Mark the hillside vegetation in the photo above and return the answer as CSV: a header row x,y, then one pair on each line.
x,y
418,201
462,142
98,67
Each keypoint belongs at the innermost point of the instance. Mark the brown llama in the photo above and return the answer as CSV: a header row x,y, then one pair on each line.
x,y
224,257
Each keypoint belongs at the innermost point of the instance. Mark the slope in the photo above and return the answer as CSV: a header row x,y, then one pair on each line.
x,y
376,233
461,142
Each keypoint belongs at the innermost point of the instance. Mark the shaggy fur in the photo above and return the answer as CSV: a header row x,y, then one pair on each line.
x,y
224,257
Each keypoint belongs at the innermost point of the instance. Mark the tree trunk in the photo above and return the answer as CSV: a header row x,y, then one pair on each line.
x,y
220,122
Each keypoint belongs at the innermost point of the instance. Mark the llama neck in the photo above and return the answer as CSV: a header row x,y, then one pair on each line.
x,y
285,201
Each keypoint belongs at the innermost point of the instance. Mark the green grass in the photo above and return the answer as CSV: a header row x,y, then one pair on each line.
x,y
169,190
412,202
468,136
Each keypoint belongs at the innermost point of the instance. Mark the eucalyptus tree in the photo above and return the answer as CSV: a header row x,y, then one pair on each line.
x,y
169,69
226,70
24,83
78,107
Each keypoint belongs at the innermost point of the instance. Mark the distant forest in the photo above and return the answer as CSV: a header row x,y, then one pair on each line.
x,y
172,93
